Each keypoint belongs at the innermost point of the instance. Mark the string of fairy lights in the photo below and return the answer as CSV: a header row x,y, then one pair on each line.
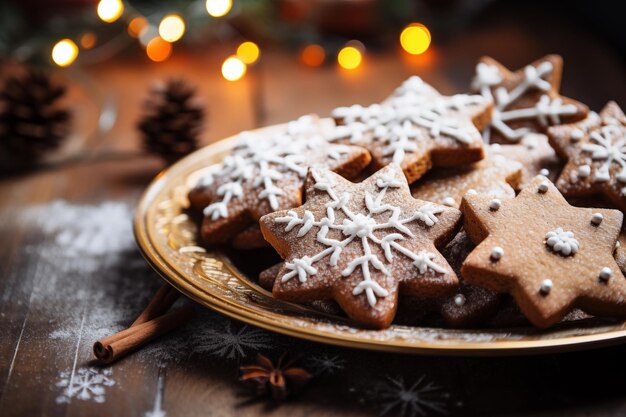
x,y
158,40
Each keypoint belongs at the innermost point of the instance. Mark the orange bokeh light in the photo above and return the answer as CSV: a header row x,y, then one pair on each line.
x,y
137,25
312,55
158,50
415,39
248,52
88,40
349,57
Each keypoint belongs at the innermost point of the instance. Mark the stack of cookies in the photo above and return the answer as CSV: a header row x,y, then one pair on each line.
x,y
467,207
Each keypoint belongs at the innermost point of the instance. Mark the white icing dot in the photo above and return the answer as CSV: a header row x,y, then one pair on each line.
x,y
459,300
543,187
495,204
584,171
546,286
544,172
496,253
596,219
605,273
471,191
617,244
449,201
576,135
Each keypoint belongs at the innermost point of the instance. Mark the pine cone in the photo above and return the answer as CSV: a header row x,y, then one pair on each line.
x,y
277,380
173,120
31,121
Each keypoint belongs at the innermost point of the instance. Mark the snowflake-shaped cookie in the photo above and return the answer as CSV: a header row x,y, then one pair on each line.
x,y
265,172
360,243
552,257
525,101
416,128
596,151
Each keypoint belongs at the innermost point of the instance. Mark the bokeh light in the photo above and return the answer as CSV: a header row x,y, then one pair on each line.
x,y
349,57
158,50
218,8
233,68
110,10
172,28
64,52
137,25
313,55
415,38
88,40
248,52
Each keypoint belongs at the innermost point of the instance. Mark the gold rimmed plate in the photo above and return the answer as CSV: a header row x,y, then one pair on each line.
x,y
168,239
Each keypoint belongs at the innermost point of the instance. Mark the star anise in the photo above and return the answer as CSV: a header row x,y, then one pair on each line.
x,y
274,380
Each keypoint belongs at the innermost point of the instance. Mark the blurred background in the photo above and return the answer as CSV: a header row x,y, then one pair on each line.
x,y
241,64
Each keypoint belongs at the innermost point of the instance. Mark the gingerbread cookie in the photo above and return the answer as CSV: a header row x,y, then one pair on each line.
x,y
525,101
620,251
549,255
267,277
416,128
471,305
250,238
596,153
265,173
494,175
360,244
534,153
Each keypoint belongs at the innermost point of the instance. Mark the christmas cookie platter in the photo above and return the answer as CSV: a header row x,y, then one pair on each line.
x,y
424,223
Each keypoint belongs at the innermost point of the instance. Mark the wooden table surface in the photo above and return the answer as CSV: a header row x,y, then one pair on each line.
x,y
70,272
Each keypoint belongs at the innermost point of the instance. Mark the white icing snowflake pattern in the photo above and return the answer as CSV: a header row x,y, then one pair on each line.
x,y
326,365
609,145
546,111
229,344
358,228
415,113
263,161
562,242
421,398
86,384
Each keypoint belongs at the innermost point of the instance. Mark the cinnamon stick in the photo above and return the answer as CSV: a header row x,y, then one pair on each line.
x,y
160,303
115,346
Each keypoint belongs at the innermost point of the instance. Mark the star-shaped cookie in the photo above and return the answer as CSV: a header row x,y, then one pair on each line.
x,y
549,255
360,244
525,101
264,173
596,152
471,305
534,153
416,128
495,175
